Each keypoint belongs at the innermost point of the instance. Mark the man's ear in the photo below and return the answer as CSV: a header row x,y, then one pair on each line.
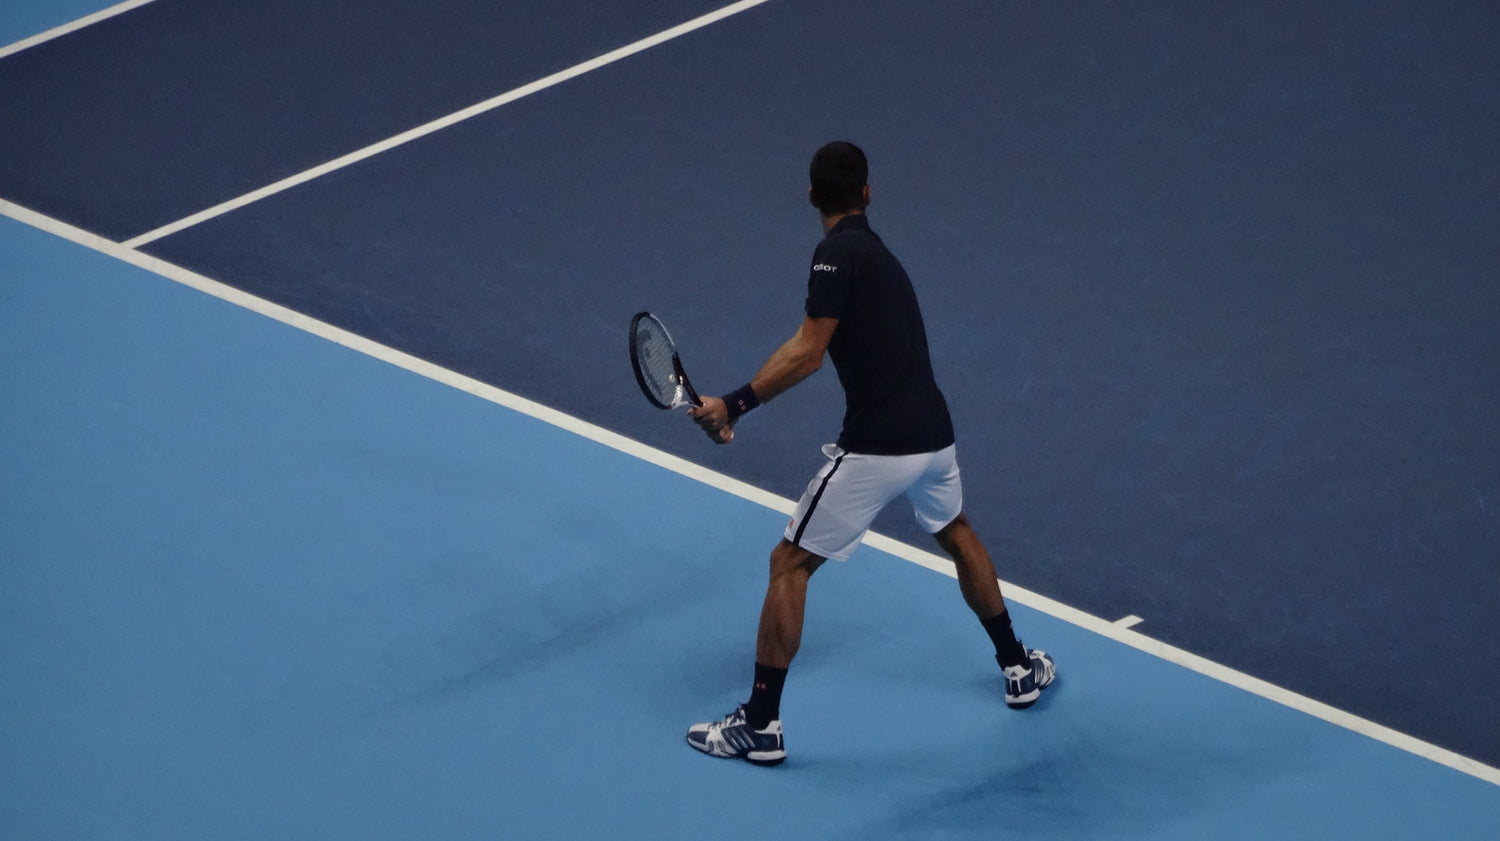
x,y
866,195
810,200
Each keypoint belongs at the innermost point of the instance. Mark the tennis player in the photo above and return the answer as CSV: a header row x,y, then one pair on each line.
x,y
897,438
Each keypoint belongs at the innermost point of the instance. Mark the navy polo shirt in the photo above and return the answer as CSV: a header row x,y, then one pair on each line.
x,y
892,402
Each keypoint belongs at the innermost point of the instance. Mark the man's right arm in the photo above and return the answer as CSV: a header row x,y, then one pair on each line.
x,y
796,360
793,362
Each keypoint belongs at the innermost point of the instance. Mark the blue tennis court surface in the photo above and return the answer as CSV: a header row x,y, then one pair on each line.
x,y
1212,294
258,585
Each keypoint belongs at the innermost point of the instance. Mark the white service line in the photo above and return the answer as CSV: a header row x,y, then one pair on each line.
x,y
444,122
744,490
74,26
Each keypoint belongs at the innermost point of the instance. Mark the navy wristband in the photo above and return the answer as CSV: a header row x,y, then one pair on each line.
x,y
740,401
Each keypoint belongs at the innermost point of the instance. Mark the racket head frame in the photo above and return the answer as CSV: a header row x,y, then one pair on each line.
x,y
677,370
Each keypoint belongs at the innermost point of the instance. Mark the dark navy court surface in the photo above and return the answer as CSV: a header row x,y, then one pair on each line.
x,y
1211,290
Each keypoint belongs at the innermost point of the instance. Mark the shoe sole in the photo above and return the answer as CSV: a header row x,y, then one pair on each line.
x,y
764,759
1024,701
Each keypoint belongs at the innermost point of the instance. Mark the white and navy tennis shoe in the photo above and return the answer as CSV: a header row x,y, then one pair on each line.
x,y
733,738
1024,684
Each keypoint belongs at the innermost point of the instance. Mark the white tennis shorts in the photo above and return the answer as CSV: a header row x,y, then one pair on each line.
x,y
842,500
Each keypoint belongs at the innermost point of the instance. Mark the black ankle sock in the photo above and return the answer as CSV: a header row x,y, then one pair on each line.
x,y
764,705
1008,649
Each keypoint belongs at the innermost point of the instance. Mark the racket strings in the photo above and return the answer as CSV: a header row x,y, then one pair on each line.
x,y
656,354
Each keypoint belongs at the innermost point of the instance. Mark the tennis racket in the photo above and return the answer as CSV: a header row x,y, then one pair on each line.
x,y
658,369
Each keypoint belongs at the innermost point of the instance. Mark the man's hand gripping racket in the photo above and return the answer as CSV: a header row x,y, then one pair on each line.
x,y
658,370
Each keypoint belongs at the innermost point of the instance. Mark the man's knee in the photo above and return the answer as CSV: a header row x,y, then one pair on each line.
x,y
947,535
790,559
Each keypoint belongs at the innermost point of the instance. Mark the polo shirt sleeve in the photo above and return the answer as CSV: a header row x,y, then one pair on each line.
x,y
828,281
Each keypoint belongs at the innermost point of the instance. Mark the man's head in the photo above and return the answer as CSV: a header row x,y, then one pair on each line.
x,y
839,174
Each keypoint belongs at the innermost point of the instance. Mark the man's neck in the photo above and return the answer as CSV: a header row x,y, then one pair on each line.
x,y
830,221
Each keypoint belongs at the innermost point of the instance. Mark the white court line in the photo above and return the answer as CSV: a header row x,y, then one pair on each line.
x,y
444,122
1019,595
74,26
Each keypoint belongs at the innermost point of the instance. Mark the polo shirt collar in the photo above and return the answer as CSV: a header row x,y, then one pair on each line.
x,y
853,220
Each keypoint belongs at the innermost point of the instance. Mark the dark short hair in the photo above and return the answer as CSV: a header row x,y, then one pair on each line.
x,y
838,175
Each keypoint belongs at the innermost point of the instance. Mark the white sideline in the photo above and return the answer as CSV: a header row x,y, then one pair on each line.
x,y
1036,601
71,26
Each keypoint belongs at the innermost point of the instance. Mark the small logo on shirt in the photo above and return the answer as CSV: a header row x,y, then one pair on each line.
x,y
824,267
